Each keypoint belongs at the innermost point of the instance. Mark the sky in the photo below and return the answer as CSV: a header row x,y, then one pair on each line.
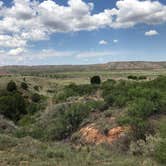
x,y
56,32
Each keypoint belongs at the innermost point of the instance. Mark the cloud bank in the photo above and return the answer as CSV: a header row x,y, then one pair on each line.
x,y
25,20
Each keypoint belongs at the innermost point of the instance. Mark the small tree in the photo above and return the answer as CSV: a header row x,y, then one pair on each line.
x,y
11,86
95,80
13,106
24,86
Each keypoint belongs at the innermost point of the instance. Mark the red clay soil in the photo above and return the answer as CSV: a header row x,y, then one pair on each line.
x,y
93,136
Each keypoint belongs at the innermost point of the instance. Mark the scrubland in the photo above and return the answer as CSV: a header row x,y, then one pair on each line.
x,y
65,119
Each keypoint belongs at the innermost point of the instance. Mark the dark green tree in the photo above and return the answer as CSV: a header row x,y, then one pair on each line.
x,y
11,86
12,106
95,80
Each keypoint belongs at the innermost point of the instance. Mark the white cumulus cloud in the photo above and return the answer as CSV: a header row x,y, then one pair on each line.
x,y
103,42
16,51
131,12
26,20
115,41
151,33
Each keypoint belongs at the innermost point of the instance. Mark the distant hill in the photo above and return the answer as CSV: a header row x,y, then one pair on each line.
x,y
133,65
3,73
136,65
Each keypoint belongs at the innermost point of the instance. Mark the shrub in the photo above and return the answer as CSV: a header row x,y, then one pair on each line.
x,y
11,86
95,80
146,147
24,86
153,146
36,97
36,88
142,77
123,92
74,90
67,121
32,108
116,94
136,117
26,120
79,90
141,108
61,96
108,113
97,105
13,106
7,142
109,84
132,77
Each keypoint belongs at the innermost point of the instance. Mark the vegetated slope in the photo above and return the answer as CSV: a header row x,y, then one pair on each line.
x,y
115,122
138,65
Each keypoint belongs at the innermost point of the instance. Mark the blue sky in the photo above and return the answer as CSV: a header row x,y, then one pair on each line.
x,y
81,31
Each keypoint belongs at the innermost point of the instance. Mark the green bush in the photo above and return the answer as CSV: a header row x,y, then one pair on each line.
x,y
95,80
74,90
116,94
36,88
36,97
146,148
61,96
108,113
32,108
108,84
26,120
67,121
124,92
132,77
13,106
80,90
11,86
24,86
142,77
97,105
137,115
141,108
